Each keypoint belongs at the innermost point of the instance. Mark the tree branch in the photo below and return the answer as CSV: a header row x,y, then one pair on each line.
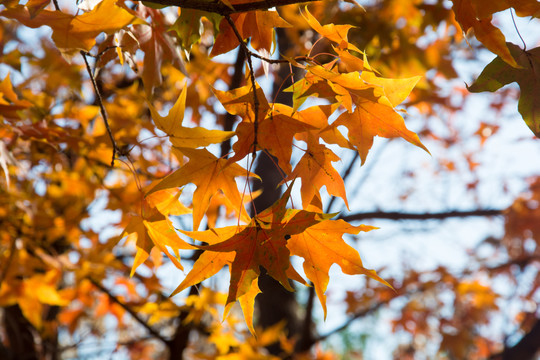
x,y
397,215
219,7
525,349
101,106
129,310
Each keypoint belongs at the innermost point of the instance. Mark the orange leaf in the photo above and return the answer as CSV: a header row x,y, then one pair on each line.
x,y
370,119
259,25
316,170
210,174
321,246
484,30
335,33
275,134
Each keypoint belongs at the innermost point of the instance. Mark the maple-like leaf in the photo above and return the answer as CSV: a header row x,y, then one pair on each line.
x,y
484,30
210,174
316,170
393,91
335,33
498,73
321,246
370,119
255,246
209,263
240,101
160,233
10,104
317,116
167,202
158,47
260,243
76,32
259,25
186,137
275,134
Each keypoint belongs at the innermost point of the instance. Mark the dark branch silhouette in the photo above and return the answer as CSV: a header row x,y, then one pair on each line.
x,y
219,7
397,215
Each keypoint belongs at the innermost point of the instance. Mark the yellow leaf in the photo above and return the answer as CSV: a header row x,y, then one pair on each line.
x,y
76,32
394,90
247,303
335,33
181,136
210,174
163,234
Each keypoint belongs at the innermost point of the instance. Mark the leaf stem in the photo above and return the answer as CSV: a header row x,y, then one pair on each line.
x,y
517,30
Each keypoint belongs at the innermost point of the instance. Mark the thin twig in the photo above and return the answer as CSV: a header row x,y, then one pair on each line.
x,y
396,215
101,107
129,310
253,83
56,7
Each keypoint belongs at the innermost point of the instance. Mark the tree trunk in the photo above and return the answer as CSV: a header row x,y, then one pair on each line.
x,y
275,304
19,335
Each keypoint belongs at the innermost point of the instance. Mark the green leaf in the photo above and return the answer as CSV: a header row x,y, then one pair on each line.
x,y
498,73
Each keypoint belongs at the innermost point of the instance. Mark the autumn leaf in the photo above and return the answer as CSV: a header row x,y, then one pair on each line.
x,y
335,33
316,170
260,243
158,47
498,73
255,246
210,174
186,137
72,33
167,202
188,26
484,30
209,263
321,246
10,104
370,119
393,91
240,101
523,8
259,25
247,303
158,233
275,134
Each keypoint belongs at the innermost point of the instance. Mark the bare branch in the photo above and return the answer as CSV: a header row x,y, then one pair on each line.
x,y
256,104
396,215
219,7
129,310
101,107
525,349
